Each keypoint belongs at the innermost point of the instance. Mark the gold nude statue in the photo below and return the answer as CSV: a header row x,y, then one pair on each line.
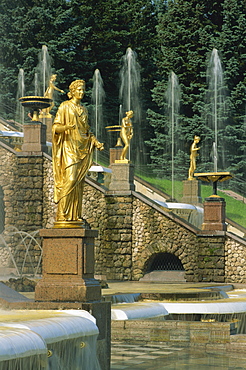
x,y
49,94
126,133
73,145
193,155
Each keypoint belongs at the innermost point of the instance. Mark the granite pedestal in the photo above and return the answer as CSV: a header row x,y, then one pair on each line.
x,y
122,178
68,266
114,154
192,192
34,137
214,215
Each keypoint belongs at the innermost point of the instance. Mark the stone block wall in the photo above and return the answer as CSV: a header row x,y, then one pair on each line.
x,y
156,231
211,258
131,228
235,258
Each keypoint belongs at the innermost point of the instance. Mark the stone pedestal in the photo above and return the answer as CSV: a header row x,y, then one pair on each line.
x,y
48,122
122,178
68,266
214,214
34,137
114,154
192,192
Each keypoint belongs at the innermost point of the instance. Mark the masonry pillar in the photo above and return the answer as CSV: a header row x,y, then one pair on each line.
x,y
68,266
192,192
122,178
214,214
34,137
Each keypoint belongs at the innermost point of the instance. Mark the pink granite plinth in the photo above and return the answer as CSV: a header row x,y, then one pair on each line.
x,y
68,266
214,214
34,137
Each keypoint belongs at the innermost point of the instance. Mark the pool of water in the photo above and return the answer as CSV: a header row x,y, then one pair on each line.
x,y
160,356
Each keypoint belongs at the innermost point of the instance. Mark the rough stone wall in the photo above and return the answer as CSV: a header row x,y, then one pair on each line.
x,y
94,212
111,216
211,258
131,230
49,207
26,181
153,232
8,168
235,258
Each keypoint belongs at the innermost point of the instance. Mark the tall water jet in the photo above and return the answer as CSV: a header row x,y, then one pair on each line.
x,y
36,85
20,92
44,68
216,101
173,102
129,94
98,96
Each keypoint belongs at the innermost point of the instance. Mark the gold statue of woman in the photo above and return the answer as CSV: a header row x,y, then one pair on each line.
x,y
73,146
126,133
49,94
193,155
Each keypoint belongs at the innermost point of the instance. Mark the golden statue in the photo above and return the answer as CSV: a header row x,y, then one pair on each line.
x,y
126,133
49,94
73,146
193,155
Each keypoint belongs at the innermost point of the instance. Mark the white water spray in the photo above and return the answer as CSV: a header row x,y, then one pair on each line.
x,y
20,93
98,96
44,69
173,100
216,99
129,93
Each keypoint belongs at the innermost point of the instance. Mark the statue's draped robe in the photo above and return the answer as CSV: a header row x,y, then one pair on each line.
x,y
72,158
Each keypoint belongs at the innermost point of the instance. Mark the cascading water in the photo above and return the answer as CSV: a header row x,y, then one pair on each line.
x,y
98,96
216,113
129,98
20,92
173,102
46,340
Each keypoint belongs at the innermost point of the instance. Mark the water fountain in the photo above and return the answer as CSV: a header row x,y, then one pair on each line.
x,y
129,97
43,68
98,96
216,113
173,100
48,340
20,114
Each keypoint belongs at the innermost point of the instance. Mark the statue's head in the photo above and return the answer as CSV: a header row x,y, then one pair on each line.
x,y
197,138
74,85
129,113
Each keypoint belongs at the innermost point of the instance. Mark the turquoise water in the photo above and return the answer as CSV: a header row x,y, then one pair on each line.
x,y
159,356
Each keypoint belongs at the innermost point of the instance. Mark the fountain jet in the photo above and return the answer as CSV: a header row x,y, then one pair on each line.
x,y
98,96
216,100
173,101
129,93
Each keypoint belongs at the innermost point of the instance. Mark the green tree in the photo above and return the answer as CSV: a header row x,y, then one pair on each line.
x,y
187,33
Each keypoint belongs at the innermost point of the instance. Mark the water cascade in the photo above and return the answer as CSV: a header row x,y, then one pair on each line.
x,y
216,102
98,96
173,101
20,114
129,96
48,340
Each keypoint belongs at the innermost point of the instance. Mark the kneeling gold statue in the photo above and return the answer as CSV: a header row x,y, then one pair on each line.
x,y
73,145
